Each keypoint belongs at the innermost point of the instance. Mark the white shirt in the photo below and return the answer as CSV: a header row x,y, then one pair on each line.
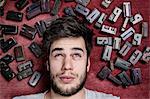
x,y
89,95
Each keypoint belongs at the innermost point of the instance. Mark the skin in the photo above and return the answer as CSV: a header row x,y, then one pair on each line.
x,y
68,65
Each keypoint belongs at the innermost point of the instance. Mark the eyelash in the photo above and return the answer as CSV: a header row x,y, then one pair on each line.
x,y
76,54
58,55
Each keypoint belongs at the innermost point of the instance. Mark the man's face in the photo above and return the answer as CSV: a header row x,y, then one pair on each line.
x,y
69,64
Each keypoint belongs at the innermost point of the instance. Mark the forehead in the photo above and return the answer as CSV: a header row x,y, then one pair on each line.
x,y
68,43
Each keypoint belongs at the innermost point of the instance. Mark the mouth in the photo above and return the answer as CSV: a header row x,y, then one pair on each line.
x,y
66,79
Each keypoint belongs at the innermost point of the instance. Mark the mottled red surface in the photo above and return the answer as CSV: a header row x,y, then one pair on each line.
x,y
141,91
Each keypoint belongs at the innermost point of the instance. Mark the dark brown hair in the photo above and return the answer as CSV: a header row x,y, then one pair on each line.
x,y
67,27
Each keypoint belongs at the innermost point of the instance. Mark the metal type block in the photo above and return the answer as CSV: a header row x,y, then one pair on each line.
x,y
48,21
34,79
106,3
82,10
1,40
127,9
101,20
56,7
33,6
20,4
19,53
123,28
93,16
125,48
1,11
8,44
69,11
115,14
83,2
109,29
114,79
2,3
29,29
104,41
104,73
24,74
14,16
135,57
127,33
24,66
136,76
33,13
3,65
28,32
122,64
126,81
136,19
145,29
117,43
35,49
137,39
107,53
45,6
41,28
7,58
146,55
7,72
9,29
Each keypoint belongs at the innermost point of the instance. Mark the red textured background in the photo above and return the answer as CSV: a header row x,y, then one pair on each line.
x,y
141,91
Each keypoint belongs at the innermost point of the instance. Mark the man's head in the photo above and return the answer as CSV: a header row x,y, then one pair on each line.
x,y
68,44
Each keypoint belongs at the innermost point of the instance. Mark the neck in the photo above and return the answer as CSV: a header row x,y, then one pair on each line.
x,y
52,95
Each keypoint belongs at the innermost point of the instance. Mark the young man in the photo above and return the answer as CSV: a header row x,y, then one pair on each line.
x,y
68,43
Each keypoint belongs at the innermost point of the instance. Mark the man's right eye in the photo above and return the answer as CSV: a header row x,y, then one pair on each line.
x,y
58,55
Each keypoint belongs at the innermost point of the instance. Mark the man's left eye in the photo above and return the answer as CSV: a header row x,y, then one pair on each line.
x,y
77,55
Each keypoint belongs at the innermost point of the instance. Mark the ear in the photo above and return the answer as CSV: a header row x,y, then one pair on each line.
x,y
88,64
47,65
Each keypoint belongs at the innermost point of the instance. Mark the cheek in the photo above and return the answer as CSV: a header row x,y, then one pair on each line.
x,y
54,67
79,65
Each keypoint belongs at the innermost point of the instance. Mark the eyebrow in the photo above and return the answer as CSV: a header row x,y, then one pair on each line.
x,y
60,49
57,49
77,48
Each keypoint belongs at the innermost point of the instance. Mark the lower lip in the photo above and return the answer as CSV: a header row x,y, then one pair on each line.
x,y
66,80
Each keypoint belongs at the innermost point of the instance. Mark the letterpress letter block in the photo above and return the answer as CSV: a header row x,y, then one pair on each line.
x,y
126,81
127,9
101,20
136,75
116,43
107,53
146,55
104,73
135,57
127,33
104,41
137,39
125,48
34,78
106,3
136,19
82,10
122,64
109,29
115,15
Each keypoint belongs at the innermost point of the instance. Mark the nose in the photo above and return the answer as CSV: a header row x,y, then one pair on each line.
x,y
67,63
